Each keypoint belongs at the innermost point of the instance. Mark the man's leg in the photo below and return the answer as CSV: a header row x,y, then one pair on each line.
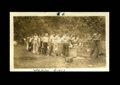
x,y
61,48
98,48
50,49
67,50
37,48
34,47
64,49
29,46
94,44
45,48
42,47
58,49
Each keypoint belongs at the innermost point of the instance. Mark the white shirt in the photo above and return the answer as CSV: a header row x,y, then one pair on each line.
x,y
42,38
35,37
45,39
51,37
55,39
30,39
63,39
58,40
67,39
39,39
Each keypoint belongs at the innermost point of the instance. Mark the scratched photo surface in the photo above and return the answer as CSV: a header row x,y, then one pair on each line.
x,y
59,42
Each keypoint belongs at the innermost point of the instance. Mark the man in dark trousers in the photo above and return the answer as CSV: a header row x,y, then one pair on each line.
x,y
66,45
45,42
96,43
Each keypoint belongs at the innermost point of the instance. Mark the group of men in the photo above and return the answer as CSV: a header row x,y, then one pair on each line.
x,y
56,43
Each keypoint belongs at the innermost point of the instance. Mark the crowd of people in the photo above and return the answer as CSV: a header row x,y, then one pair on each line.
x,y
57,44
51,43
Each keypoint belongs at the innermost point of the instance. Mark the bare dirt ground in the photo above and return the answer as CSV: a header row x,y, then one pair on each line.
x,y
25,59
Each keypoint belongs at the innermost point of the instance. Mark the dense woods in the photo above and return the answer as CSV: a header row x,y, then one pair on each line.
x,y
84,27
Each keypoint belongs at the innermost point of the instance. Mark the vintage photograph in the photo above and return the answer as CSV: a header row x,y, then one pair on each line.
x,y
59,41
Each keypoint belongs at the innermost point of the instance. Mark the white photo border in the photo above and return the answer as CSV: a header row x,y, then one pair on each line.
x,y
12,14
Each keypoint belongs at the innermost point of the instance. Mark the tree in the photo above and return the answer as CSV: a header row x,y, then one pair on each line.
x,y
77,25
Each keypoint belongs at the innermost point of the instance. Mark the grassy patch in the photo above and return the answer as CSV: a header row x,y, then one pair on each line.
x,y
25,59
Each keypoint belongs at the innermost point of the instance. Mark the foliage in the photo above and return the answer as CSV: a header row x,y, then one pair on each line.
x,y
82,26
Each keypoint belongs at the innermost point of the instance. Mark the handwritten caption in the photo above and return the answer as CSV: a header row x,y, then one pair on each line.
x,y
47,70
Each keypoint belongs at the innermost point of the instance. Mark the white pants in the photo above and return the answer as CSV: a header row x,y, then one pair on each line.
x,y
35,47
27,46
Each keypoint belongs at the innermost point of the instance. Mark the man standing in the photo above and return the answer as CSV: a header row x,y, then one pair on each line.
x,y
27,40
51,38
30,43
45,43
59,50
54,43
39,44
42,46
75,41
66,46
63,43
96,43
35,44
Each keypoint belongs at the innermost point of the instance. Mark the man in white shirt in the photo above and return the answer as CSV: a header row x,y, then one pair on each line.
x,y
56,41
60,45
63,44
35,44
45,41
51,39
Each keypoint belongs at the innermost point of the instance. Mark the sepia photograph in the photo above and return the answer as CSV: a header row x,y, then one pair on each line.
x,y
59,41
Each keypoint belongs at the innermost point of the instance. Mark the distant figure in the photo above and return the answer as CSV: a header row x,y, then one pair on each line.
x,y
96,43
